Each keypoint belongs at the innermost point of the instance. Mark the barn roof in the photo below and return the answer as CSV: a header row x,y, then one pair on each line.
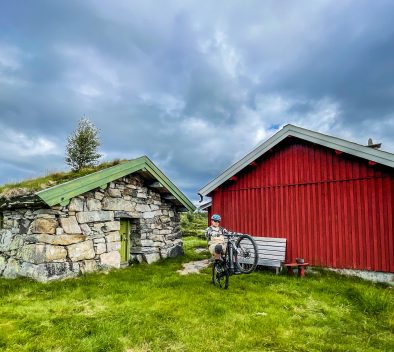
x,y
62,193
378,156
205,206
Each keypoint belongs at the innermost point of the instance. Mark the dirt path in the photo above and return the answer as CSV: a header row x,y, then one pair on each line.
x,y
193,267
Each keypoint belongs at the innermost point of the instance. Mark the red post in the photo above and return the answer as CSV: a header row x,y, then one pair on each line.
x,y
301,272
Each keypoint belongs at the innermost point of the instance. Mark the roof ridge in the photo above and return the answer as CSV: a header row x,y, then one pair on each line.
x,y
352,148
342,139
62,193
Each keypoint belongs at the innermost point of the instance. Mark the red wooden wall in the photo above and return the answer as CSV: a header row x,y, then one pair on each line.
x,y
334,209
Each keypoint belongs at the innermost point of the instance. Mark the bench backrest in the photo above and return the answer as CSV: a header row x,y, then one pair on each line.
x,y
272,251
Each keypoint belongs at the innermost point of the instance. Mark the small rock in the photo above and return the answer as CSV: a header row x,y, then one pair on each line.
x,y
261,314
151,257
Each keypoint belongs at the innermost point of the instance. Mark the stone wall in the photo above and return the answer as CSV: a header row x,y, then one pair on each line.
x,y
60,242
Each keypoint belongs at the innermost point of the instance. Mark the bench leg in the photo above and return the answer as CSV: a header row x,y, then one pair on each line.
x,y
301,271
290,270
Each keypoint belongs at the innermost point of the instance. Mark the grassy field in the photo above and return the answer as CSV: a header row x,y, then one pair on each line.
x,y
152,308
194,224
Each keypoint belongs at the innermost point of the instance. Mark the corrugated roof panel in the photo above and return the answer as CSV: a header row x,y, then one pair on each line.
x,y
61,194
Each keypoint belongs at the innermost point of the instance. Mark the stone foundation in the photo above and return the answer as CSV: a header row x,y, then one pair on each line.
x,y
61,242
373,276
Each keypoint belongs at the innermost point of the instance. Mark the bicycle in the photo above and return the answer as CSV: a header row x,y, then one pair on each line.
x,y
240,257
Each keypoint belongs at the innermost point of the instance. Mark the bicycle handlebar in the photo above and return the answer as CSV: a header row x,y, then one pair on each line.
x,y
232,234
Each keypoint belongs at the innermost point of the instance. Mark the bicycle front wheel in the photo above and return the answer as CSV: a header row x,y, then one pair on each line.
x,y
220,275
246,255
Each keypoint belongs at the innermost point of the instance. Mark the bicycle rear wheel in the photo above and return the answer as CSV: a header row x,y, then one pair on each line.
x,y
246,255
220,275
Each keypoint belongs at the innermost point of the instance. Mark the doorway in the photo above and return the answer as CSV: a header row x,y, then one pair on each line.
x,y
130,238
125,236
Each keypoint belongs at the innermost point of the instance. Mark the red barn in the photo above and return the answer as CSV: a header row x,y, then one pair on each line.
x,y
332,199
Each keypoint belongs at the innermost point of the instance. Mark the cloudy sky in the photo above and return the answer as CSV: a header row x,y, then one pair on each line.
x,y
195,85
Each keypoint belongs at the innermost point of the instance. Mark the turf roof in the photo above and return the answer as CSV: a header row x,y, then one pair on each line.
x,y
78,183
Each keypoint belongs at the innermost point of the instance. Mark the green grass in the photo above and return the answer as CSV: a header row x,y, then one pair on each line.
x,y
39,183
194,224
152,308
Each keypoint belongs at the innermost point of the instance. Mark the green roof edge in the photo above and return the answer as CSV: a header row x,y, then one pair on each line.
x,y
61,194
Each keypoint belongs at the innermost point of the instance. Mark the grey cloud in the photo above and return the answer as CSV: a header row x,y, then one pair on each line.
x,y
193,85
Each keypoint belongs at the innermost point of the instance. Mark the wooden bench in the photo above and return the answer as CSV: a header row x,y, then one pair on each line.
x,y
272,251
300,266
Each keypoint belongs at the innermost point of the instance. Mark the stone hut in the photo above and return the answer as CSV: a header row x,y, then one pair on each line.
x,y
103,220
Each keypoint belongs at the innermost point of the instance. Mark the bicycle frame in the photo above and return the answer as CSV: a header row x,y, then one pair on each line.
x,y
229,254
230,259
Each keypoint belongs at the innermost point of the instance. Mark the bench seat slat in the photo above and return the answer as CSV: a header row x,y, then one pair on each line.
x,y
271,244
272,251
274,257
270,239
263,250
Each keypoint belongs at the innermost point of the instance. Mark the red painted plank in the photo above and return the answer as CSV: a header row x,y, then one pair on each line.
x,y
324,205
390,231
383,238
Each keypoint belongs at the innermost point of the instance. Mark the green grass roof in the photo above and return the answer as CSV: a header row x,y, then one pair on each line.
x,y
40,183
59,188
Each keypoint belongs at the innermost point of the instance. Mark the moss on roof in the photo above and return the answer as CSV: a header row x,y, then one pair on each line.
x,y
40,183
59,188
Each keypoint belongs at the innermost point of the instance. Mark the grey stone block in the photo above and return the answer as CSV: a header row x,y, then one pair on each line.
x,y
111,259
3,263
76,204
49,271
118,204
12,269
113,192
43,225
93,204
94,216
151,257
70,225
81,251
5,240
175,251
